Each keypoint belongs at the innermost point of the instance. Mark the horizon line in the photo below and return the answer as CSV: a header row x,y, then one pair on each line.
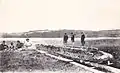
x,y
58,30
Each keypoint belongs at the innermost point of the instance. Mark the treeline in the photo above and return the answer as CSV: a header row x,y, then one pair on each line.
x,y
60,33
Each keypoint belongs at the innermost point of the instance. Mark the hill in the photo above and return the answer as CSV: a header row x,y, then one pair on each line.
x,y
60,33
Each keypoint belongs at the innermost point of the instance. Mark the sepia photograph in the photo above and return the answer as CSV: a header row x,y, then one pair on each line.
x,y
59,36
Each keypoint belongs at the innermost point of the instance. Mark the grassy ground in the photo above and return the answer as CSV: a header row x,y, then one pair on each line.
x,y
32,60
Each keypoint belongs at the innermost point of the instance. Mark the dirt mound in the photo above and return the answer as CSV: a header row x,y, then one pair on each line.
x,y
83,53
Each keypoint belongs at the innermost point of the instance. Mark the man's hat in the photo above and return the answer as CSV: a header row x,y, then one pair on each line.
x,y
27,39
3,41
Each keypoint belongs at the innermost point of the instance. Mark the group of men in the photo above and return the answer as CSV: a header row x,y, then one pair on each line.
x,y
12,46
65,39
28,44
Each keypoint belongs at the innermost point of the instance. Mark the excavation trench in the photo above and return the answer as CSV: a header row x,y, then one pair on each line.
x,y
60,52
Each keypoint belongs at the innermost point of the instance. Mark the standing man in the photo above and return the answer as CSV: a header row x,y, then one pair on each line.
x,y
72,38
65,39
82,38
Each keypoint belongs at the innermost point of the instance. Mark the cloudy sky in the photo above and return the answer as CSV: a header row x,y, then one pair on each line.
x,y
25,15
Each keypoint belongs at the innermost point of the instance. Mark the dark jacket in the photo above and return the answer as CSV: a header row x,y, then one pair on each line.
x,y
82,37
65,37
19,45
3,47
72,37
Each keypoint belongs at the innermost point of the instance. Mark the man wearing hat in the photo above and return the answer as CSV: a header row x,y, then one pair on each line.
x,y
3,46
27,43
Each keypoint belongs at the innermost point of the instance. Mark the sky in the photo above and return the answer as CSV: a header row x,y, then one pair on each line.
x,y
25,15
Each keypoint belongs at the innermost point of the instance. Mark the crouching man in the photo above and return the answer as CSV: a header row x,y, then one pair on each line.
x,y
3,46
28,44
19,45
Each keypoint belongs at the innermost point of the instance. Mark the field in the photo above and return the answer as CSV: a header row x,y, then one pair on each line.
x,y
45,63
31,60
111,46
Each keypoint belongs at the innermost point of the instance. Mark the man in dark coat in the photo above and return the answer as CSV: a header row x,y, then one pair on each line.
x,y
82,38
3,46
72,37
19,45
65,39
